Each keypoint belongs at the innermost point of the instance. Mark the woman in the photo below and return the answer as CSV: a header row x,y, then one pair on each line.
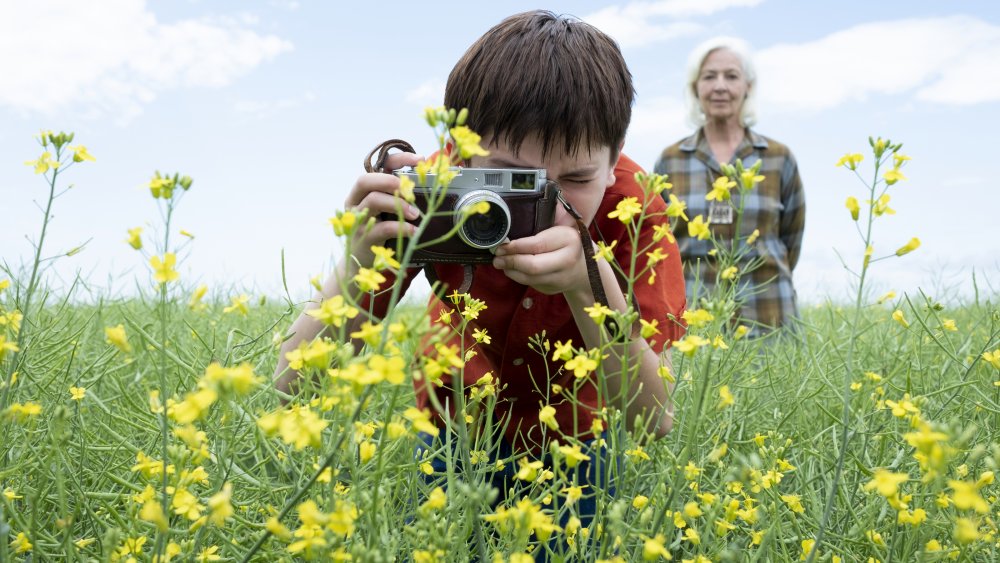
x,y
720,91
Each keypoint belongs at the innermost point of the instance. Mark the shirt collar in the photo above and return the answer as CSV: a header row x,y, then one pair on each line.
x,y
691,143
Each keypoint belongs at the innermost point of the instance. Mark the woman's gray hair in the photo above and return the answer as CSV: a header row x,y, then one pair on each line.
x,y
740,48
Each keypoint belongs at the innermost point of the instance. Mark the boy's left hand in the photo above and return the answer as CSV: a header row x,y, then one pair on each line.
x,y
551,261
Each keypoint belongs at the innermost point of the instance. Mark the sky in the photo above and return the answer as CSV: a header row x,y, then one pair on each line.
x,y
270,106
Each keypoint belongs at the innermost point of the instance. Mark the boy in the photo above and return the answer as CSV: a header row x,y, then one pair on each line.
x,y
551,92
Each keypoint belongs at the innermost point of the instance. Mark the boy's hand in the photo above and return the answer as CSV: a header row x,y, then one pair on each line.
x,y
551,261
378,193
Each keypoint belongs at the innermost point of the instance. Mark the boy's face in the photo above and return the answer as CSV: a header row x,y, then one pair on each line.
x,y
583,176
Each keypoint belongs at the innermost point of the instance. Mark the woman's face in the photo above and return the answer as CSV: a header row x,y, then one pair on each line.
x,y
721,86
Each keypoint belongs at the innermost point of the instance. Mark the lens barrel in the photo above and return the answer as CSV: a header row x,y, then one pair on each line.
x,y
483,230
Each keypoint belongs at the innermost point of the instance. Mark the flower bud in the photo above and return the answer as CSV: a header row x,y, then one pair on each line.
x,y
185,182
853,207
451,116
909,247
462,116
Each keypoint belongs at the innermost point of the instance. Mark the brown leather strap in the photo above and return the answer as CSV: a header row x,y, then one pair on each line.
x,y
593,272
383,152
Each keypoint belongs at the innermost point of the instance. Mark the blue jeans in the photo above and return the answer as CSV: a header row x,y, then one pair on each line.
x,y
592,475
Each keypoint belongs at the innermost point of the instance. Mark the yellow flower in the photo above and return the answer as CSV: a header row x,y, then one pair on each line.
x,y
406,186
84,542
691,510
729,273
853,207
115,335
239,305
908,247
605,251
333,311
949,325
697,318
161,187
384,258
893,176
794,503
676,208
993,358
467,142
886,297
753,236
725,397
421,420
80,154
653,549
741,331
626,210
966,496
208,554
152,512
886,482
807,547
368,279
882,206
366,451
547,416
915,518
197,296
77,393
21,544
436,500
690,344
850,160
582,365
10,494
598,313
649,328
749,178
698,228
163,270
966,531
691,535
277,528
186,504
720,189
897,316
194,406
344,223
135,238
44,163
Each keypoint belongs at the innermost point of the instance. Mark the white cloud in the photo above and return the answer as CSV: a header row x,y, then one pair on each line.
x,y
943,60
634,24
114,57
429,93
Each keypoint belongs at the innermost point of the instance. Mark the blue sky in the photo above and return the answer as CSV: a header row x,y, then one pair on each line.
x,y
270,107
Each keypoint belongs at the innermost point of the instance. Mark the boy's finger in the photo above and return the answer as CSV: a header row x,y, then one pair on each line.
x,y
399,160
379,202
549,240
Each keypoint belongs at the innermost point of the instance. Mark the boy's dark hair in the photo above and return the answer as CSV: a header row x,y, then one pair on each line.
x,y
537,73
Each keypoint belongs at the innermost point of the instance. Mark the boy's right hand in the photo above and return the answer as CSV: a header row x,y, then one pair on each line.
x,y
378,193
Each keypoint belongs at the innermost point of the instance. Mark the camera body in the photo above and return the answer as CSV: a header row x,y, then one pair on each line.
x,y
522,202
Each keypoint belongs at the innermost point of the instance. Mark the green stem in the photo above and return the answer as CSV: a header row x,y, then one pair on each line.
x,y
848,371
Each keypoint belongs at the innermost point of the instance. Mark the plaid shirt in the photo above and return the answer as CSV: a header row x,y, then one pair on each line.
x,y
776,207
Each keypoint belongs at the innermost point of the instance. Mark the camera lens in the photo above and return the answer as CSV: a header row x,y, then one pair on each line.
x,y
483,230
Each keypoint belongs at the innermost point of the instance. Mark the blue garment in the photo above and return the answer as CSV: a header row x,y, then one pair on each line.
x,y
592,475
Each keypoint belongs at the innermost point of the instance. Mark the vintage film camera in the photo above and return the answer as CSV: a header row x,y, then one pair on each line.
x,y
522,203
